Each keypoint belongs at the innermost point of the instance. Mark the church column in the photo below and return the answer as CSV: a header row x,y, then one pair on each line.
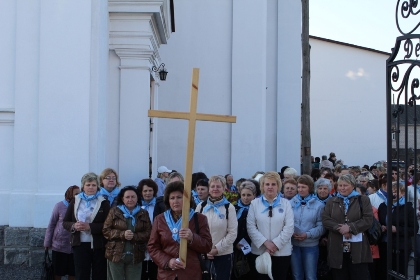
x,y
134,123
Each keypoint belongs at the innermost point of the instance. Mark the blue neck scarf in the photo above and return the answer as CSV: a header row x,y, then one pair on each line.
x,y
145,204
241,209
347,199
211,205
175,227
195,196
88,198
127,214
65,202
323,200
383,195
110,195
276,202
400,202
302,201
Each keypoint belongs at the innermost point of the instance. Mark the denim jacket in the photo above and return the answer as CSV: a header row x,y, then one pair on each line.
x,y
308,219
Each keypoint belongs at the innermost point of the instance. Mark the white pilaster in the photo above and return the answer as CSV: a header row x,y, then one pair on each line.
x,y
134,123
289,93
248,79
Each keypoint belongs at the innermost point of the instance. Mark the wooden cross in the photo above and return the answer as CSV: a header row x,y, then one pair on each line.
x,y
192,116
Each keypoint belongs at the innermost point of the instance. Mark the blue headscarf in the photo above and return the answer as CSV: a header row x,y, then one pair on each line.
x,y
88,198
129,214
347,198
174,227
215,207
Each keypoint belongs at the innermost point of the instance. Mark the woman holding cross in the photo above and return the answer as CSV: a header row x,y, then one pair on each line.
x,y
164,242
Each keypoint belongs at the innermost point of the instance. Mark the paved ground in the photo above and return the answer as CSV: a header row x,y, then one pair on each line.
x,y
20,272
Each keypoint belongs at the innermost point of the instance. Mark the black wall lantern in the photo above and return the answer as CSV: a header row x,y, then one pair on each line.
x,y
161,70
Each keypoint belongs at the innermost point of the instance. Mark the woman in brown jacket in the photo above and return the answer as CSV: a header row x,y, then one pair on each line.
x,y
127,229
343,218
164,240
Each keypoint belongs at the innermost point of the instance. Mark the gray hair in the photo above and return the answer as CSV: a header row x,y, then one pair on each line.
x,y
323,182
248,185
90,177
348,178
175,174
290,171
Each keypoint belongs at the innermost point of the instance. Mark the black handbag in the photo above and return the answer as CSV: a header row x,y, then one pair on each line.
x,y
240,265
374,233
47,271
208,271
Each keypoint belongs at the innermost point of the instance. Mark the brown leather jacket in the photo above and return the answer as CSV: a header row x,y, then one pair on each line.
x,y
162,247
114,227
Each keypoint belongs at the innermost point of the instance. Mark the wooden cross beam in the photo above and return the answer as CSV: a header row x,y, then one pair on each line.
x,y
192,116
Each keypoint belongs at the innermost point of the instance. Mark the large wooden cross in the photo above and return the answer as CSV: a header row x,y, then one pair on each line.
x,y
192,116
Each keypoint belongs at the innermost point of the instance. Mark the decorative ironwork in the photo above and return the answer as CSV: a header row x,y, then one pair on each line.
x,y
162,71
403,93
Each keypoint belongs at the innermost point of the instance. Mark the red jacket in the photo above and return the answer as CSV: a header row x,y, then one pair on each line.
x,y
162,247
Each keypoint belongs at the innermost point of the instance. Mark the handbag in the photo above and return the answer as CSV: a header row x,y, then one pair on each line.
x,y
47,271
208,271
240,264
374,233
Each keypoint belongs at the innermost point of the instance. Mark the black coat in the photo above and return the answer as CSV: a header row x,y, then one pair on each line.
x,y
242,230
398,222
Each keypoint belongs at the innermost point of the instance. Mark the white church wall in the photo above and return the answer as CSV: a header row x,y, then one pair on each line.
x,y
234,55
7,103
348,102
249,62
289,72
212,54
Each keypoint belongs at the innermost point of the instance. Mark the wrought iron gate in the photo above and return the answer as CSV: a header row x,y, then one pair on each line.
x,y
402,76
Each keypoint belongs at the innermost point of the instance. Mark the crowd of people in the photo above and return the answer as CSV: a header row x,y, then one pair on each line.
x,y
273,225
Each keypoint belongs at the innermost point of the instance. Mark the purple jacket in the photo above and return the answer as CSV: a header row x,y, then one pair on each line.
x,y
56,237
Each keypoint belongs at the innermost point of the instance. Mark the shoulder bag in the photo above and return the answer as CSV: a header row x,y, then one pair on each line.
x,y
208,271
374,233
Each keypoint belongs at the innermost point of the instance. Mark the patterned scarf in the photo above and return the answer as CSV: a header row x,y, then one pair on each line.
x,y
215,207
347,199
88,198
241,209
129,214
174,227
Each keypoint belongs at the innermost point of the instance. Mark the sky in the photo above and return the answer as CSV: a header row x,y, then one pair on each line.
x,y
366,23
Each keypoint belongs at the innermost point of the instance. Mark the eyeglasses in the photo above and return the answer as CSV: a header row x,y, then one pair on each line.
x,y
270,211
111,178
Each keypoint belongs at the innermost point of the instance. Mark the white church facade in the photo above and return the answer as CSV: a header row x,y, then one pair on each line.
x,y
75,91
76,83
